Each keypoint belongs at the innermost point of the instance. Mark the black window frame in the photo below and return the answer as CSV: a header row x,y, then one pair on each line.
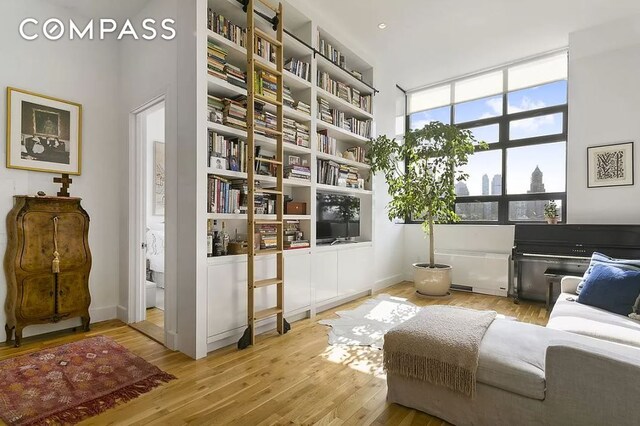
x,y
503,145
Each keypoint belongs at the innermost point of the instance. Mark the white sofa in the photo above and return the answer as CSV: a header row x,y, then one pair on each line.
x,y
575,371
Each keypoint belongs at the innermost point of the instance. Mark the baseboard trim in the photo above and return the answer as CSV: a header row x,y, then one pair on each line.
x,y
171,340
103,314
388,282
123,314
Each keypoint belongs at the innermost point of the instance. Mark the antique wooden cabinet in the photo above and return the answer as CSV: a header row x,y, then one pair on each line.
x,y
47,263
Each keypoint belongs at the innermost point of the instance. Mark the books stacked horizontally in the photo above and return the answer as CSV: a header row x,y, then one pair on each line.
x,y
216,60
265,50
289,130
295,171
215,106
359,154
227,154
348,177
303,137
266,84
344,91
268,236
234,113
326,143
298,68
324,111
267,120
235,76
302,107
330,52
221,25
287,97
293,236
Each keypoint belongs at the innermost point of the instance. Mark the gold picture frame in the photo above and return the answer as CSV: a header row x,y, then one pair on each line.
x,y
44,133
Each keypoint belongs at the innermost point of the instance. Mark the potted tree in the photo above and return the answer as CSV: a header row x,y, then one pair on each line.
x,y
421,173
551,212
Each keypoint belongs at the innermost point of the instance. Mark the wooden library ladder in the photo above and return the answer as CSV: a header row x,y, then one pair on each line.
x,y
253,64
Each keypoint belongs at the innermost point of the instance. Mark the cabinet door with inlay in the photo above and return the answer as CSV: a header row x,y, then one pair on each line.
x,y
72,292
38,301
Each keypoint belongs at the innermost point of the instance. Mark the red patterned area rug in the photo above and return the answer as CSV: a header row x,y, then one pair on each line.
x,y
69,383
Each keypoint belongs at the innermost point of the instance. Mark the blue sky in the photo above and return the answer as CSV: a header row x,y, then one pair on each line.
x,y
520,161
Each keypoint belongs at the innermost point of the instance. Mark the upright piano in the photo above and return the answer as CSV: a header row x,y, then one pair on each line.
x,y
565,250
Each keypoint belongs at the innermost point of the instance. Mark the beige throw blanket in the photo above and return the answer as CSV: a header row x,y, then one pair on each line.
x,y
439,345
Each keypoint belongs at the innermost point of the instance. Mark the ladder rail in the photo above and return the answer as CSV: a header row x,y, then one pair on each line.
x,y
253,95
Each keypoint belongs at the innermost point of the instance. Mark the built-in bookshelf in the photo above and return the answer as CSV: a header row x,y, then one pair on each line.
x,y
314,85
329,96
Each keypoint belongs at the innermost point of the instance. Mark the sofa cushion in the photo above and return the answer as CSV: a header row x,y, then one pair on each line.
x,y
568,315
603,259
611,288
512,358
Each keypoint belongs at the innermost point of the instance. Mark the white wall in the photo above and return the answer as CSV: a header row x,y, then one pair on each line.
x,y
154,133
83,72
604,94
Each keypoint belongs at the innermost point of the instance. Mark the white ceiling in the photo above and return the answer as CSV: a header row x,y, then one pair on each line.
x,y
427,41
115,9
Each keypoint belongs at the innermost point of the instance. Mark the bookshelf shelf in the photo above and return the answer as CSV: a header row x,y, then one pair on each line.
x,y
340,160
267,179
231,216
340,133
344,106
260,139
342,190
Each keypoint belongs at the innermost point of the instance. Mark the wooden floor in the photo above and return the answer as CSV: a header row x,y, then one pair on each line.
x,y
293,379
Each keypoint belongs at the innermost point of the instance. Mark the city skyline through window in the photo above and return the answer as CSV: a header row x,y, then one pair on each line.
x,y
525,165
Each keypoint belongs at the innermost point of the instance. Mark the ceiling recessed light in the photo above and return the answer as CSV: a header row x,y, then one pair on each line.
x,y
382,25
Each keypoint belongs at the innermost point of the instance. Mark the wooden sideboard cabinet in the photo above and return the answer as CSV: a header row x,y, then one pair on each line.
x,y
44,286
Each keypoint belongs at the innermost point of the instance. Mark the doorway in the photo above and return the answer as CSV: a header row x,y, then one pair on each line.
x,y
149,243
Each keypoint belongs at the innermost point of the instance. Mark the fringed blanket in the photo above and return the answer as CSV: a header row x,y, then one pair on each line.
x,y
439,345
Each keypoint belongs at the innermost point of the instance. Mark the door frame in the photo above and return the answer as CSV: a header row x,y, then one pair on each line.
x,y
138,208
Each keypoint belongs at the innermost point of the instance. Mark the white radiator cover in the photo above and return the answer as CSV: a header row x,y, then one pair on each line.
x,y
486,273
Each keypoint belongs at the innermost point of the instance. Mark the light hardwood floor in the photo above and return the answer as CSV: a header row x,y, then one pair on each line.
x,y
293,379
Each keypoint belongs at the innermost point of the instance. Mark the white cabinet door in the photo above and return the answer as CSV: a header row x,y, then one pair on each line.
x,y
355,270
227,294
297,281
324,273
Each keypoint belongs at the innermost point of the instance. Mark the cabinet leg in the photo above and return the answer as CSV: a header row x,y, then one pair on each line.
x,y
85,323
18,337
9,331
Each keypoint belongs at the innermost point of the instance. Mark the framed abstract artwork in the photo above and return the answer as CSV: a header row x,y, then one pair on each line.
x,y
610,165
44,134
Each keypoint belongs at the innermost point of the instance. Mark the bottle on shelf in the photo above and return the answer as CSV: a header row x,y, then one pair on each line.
x,y
225,241
209,238
217,240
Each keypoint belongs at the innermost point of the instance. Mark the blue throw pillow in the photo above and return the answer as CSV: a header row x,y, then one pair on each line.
x,y
611,288
603,259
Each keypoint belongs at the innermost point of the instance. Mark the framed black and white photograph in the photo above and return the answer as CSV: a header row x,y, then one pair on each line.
x,y
610,165
159,178
44,134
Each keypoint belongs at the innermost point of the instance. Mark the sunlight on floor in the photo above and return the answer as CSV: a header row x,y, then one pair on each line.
x,y
360,358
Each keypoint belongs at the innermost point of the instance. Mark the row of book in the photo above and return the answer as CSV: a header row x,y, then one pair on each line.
x,y
332,173
221,25
359,154
344,91
226,153
299,68
266,84
326,143
339,119
335,56
295,171
231,197
218,66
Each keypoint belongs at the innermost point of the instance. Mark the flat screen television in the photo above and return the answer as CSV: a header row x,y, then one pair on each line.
x,y
338,217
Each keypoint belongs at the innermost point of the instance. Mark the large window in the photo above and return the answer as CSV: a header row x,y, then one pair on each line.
x,y
520,110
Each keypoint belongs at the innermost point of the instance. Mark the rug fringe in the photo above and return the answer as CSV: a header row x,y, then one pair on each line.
x,y
431,370
106,402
